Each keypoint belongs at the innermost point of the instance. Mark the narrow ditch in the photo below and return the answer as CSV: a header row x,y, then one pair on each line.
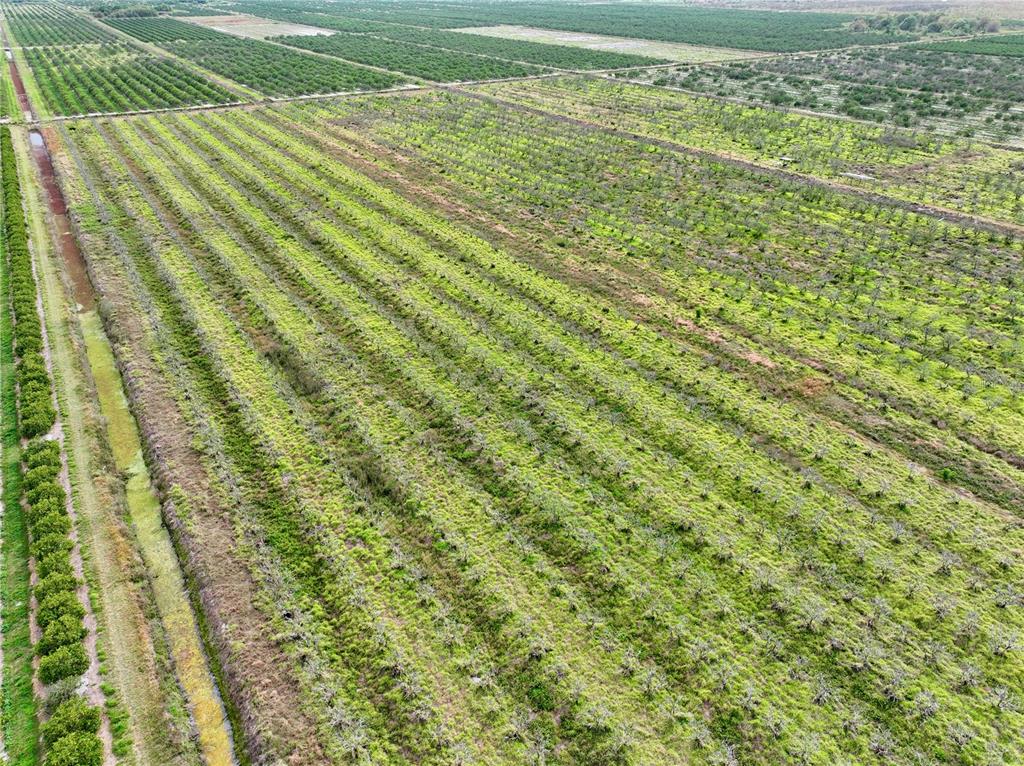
x,y
71,254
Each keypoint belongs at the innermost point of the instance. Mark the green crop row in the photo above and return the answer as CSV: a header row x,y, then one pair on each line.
x,y
156,30
488,147
19,719
913,166
573,356
52,24
417,60
512,676
605,543
69,733
1003,45
279,71
115,78
441,513
261,504
35,408
327,617
466,150
559,56
729,28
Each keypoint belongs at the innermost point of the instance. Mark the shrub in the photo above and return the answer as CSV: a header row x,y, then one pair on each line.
x,y
63,631
58,605
80,748
32,370
50,545
56,582
52,524
41,473
59,693
59,563
50,490
45,507
36,411
71,716
65,662
43,452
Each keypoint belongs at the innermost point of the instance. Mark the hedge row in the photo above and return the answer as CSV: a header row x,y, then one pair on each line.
x,y
35,410
70,733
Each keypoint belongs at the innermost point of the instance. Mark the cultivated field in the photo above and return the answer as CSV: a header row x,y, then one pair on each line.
x,y
51,24
561,418
944,91
265,68
251,26
114,77
420,61
607,43
1004,45
507,400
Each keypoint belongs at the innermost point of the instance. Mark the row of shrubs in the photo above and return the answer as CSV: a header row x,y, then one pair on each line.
x,y
35,410
70,733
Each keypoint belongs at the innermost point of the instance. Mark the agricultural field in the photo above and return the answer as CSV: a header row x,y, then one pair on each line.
x,y
278,71
558,56
632,46
71,65
115,77
406,396
1003,45
917,168
243,25
545,461
715,27
729,29
310,14
51,24
162,29
274,70
940,91
416,60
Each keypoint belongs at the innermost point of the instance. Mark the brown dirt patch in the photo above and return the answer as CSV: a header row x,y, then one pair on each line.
x,y
759,359
812,388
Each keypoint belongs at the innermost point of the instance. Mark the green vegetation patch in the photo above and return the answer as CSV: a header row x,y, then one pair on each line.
x,y
725,28
19,720
1002,45
156,30
62,655
116,78
419,61
561,56
279,71
910,86
52,24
